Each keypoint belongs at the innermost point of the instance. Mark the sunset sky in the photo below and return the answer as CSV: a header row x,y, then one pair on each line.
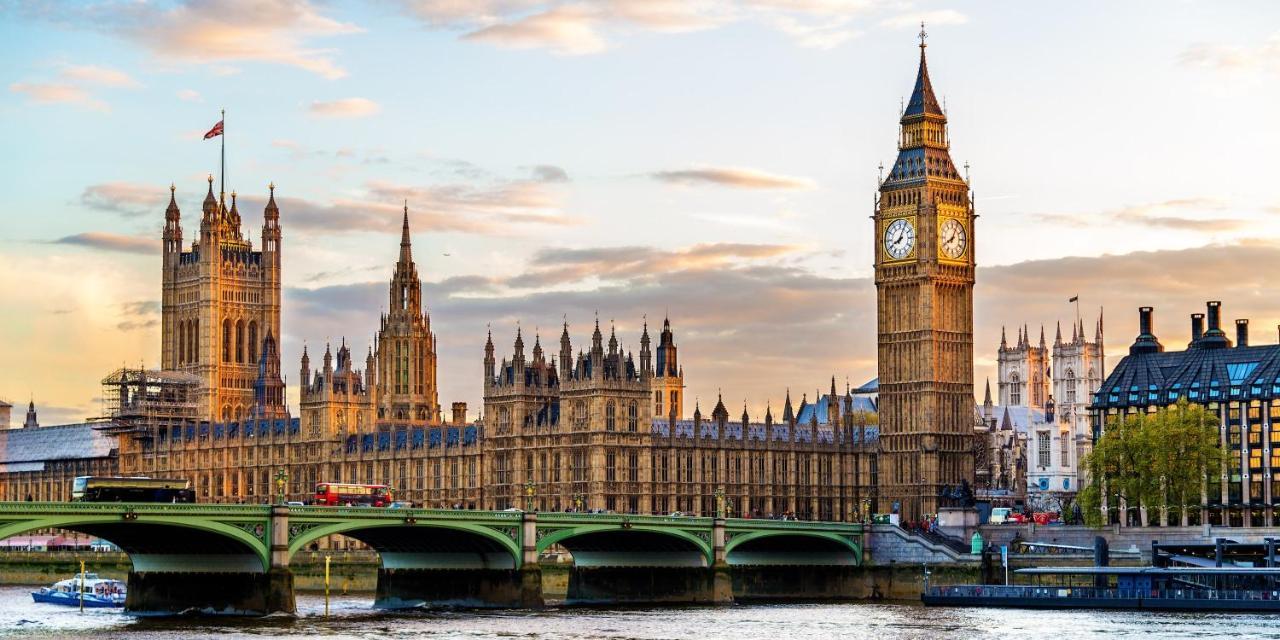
x,y
715,161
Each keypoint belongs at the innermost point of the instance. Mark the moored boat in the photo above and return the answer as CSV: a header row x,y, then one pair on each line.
x,y
96,592
1152,588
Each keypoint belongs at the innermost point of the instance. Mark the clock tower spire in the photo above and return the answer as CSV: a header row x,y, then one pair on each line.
x,y
924,274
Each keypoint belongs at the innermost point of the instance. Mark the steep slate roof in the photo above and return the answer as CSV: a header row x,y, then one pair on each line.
x,y
28,449
1015,417
808,410
1199,374
922,99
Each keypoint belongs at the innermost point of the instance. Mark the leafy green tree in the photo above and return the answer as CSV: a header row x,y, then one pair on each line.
x,y
1148,463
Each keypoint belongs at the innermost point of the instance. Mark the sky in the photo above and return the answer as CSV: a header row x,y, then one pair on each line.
x,y
714,162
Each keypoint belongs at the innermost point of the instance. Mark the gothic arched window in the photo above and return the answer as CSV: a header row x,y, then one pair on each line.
x,y
193,353
579,416
1071,386
1015,390
182,342
240,341
253,342
610,416
226,340
633,414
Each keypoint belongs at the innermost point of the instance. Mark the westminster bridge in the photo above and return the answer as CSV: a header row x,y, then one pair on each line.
x,y
234,559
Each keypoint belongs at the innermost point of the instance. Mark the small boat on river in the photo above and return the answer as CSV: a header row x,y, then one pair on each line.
x,y
96,592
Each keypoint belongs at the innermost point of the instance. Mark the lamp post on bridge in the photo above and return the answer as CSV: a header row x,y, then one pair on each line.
x,y
577,503
529,490
282,480
719,502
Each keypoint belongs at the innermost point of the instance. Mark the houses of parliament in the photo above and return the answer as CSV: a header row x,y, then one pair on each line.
x,y
577,425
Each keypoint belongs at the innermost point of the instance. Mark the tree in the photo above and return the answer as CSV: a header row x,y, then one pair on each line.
x,y
1155,461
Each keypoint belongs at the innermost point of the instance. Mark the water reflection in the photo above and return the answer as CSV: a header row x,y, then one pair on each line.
x,y
352,618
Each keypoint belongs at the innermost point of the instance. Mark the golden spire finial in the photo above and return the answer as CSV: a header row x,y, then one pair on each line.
x,y
211,178
271,186
172,187
923,34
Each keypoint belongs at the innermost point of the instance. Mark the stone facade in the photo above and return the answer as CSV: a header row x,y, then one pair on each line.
x,y
584,436
220,301
924,276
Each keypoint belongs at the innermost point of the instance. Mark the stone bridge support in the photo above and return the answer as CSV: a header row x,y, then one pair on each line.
x,y
460,570
215,584
638,566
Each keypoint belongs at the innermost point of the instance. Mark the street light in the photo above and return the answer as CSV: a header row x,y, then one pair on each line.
x,y
282,479
577,502
719,502
529,490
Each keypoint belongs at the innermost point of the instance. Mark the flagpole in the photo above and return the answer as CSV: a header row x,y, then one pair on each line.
x,y
222,179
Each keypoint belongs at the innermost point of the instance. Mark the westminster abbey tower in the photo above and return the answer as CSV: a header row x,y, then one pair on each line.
x,y
924,273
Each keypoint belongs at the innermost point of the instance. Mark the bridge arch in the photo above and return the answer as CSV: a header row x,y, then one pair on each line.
x,y
630,545
792,547
420,545
165,543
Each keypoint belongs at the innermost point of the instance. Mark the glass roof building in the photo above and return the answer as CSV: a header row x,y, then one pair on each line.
x,y
1237,380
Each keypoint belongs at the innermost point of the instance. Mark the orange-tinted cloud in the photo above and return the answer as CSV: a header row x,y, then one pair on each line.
x,y
592,26
1265,56
214,32
125,198
111,242
58,93
345,108
738,178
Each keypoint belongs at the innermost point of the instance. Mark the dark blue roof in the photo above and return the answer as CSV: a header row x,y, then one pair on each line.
x,y
922,99
1198,374
917,163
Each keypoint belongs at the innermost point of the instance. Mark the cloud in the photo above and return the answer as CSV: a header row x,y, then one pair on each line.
x,y
592,26
213,32
345,108
111,242
491,208
127,199
190,95
100,76
1185,214
569,29
549,173
738,178
1263,57
58,93
913,19
140,314
752,325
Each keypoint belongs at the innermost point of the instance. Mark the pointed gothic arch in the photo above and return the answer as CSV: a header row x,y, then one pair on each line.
x,y
226,339
253,342
240,341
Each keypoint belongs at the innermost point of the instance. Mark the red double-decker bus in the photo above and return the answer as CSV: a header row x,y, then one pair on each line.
x,y
339,494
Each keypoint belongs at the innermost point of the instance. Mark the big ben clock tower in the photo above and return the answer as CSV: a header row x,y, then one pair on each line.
x,y
924,266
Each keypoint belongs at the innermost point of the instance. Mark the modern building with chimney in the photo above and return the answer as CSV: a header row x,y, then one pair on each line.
x,y
1236,380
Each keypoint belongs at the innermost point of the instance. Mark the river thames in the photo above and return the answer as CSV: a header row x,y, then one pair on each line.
x,y
352,618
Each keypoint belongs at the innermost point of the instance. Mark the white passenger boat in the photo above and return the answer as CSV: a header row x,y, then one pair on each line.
x,y
97,592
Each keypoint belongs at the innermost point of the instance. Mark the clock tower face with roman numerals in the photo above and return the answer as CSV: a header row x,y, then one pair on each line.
x,y
924,273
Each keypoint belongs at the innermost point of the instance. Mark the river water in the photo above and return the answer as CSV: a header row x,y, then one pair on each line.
x,y
352,618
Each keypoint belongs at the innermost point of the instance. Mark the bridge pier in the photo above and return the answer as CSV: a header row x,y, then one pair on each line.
x,y
238,594
489,585
796,582
702,583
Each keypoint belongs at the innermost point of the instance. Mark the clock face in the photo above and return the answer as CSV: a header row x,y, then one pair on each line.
x,y
899,239
952,239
